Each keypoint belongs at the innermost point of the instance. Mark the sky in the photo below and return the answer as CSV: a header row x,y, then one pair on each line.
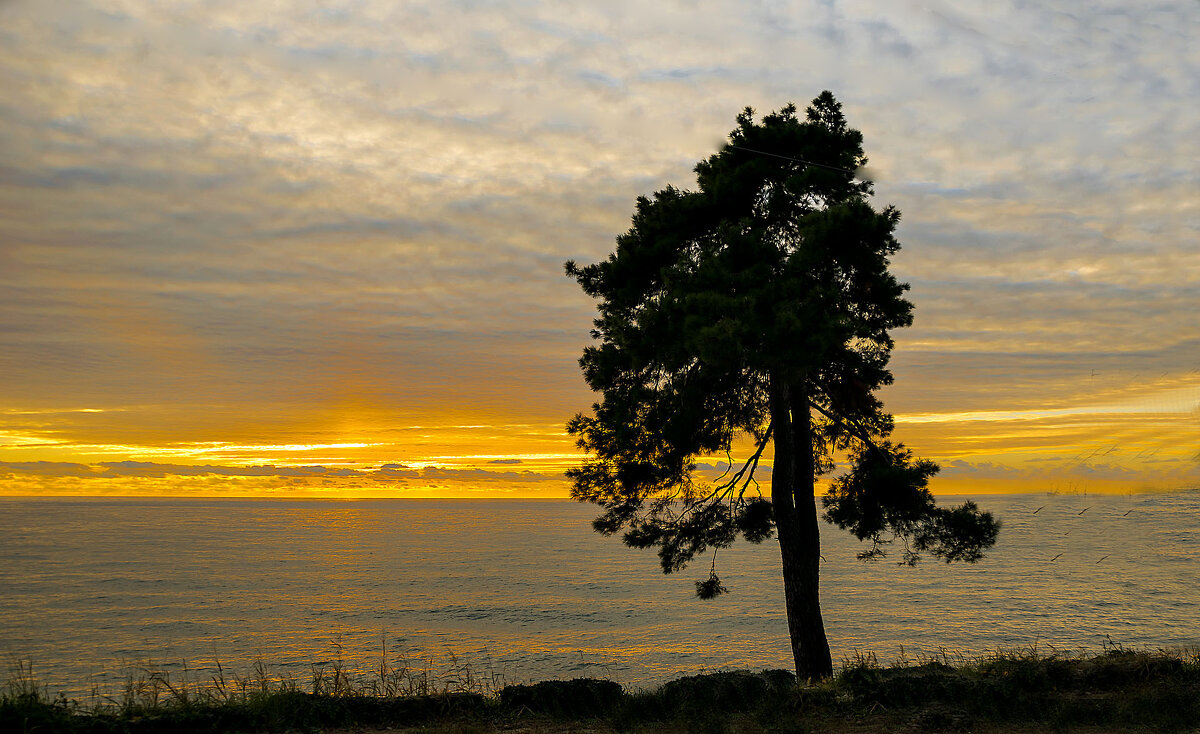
x,y
306,249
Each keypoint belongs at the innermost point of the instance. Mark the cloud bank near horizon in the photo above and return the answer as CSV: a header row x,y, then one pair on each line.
x,y
1101,471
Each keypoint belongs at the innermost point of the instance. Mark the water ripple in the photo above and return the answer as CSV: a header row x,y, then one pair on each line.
x,y
526,589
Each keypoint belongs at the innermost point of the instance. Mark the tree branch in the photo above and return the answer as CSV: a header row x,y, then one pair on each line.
x,y
750,465
852,429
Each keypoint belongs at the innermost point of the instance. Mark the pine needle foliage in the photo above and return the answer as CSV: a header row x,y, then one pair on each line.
x,y
757,310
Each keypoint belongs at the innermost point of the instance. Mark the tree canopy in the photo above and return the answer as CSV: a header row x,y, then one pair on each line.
x,y
756,311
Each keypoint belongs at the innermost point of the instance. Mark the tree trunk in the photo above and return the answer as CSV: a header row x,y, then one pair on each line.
x,y
796,522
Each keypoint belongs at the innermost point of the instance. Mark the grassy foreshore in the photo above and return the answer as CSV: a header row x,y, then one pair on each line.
x,y
1119,690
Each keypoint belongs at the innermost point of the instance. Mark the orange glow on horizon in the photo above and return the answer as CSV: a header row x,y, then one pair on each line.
x,y
1116,438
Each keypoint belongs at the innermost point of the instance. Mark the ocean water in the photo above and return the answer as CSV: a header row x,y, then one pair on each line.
x,y
524,590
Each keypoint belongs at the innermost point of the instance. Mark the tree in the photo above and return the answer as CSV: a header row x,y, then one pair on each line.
x,y
755,311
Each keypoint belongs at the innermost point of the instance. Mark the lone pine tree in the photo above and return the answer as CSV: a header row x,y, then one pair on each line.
x,y
755,311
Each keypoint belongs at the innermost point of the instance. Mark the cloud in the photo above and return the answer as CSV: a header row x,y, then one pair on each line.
x,y
386,474
224,209
48,469
983,469
111,469
150,469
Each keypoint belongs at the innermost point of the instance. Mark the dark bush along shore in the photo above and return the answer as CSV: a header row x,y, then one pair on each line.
x,y
1119,690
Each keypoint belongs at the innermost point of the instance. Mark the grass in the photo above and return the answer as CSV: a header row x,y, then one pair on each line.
x,y
1026,691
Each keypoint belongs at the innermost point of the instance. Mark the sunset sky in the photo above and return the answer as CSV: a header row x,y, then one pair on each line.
x,y
315,249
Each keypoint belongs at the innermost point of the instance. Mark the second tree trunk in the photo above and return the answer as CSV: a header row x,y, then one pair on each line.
x,y
799,535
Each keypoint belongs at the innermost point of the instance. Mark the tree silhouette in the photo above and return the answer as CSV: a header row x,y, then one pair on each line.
x,y
755,311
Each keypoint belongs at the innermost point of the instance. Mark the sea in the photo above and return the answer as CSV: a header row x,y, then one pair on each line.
x,y
93,591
